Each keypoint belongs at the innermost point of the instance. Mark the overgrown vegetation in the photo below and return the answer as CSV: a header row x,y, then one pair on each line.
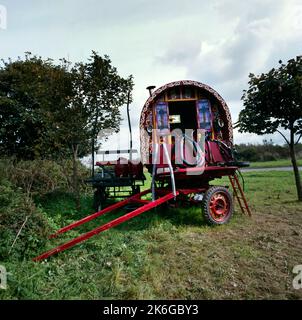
x,y
24,225
164,253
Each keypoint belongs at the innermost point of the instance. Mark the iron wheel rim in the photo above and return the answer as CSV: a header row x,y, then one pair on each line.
x,y
220,206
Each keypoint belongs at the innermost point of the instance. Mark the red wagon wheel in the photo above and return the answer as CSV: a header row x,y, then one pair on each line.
x,y
217,205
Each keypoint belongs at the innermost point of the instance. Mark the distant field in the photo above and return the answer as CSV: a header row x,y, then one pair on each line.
x,y
273,164
173,254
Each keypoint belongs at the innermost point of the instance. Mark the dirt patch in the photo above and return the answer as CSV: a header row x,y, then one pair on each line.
x,y
251,258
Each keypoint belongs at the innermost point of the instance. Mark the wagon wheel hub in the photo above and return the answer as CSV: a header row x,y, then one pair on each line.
x,y
219,205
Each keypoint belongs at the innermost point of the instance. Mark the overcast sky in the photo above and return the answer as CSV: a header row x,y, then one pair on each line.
x,y
216,42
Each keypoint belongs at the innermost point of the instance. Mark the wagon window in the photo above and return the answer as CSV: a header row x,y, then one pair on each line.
x,y
188,93
174,93
162,117
204,114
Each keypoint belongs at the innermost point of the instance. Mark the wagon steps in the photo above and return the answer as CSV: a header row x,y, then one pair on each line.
x,y
239,194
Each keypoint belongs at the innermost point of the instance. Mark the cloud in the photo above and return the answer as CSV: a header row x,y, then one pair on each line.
x,y
258,34
181,54
84,14
264,31
247,10
218,42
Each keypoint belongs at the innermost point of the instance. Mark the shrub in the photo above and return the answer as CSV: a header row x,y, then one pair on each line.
x,y
39,177
267,151
17,210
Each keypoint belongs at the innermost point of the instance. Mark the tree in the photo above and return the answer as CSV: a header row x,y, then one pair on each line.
x,y
273,103
100,91
56,111
30,91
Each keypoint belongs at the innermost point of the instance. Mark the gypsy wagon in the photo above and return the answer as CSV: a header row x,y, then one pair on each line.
x,y
186,138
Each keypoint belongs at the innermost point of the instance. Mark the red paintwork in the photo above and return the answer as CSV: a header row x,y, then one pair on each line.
x,y
200,176
219,206
99,213
148,206
213,153
220,170
124,167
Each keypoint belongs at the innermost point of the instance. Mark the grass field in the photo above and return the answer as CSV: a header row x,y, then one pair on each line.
x,y
173,254
274,164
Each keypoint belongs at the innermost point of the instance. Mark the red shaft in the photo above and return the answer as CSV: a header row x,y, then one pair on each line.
x,y
97,214
106,226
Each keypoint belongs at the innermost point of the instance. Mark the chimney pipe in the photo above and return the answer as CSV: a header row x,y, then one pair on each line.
x,y
151,88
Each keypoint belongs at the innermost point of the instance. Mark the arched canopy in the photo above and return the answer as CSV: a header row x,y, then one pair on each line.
x,y
186,87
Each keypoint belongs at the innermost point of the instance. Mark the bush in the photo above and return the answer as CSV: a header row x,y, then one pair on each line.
x,y
264,152
17,210
39,177
24,228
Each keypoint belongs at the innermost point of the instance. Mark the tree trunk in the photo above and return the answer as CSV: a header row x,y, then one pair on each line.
x,y
295,165
93,153
94,137
75,177
92,158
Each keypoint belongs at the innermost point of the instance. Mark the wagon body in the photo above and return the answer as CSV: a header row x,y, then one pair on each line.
x,y
186,97
189,105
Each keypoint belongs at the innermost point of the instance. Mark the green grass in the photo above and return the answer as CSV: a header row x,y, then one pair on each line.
x,y
172,253
274,164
